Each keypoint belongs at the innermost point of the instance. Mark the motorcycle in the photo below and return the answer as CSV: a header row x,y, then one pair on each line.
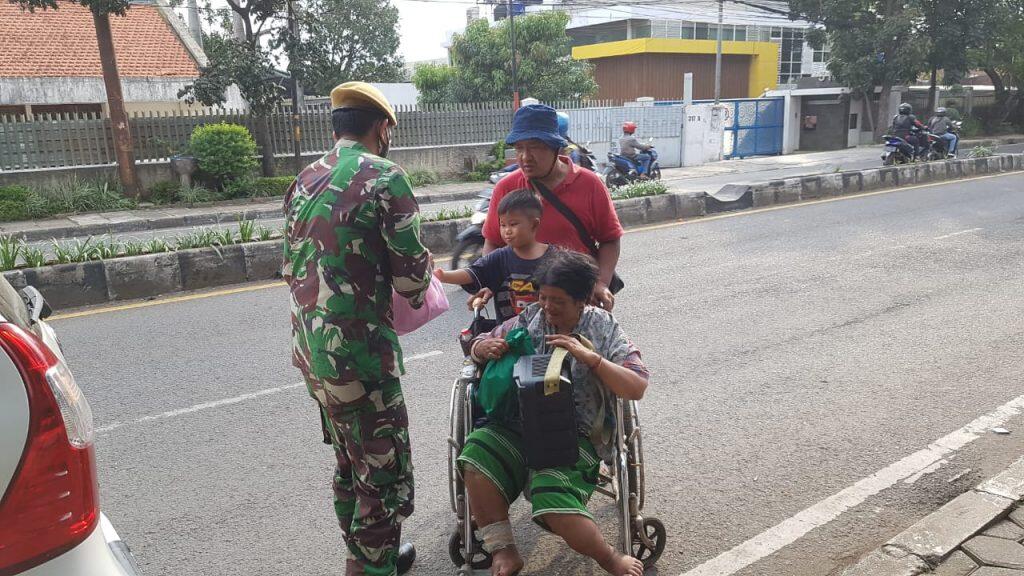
x,y
938,147
897,151
469,244
622,170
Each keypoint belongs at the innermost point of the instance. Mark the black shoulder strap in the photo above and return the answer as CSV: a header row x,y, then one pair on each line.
x,y
569,215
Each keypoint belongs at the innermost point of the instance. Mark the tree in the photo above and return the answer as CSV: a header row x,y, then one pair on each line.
x,y
123,148
343,40
246,60
951,28
481,67
873,43
999,51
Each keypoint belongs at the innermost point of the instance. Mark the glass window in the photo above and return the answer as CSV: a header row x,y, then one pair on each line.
x,y
776,33
641,28
702,31
741,34
687,31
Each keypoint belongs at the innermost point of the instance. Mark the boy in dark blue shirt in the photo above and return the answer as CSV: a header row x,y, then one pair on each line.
x,y
507,273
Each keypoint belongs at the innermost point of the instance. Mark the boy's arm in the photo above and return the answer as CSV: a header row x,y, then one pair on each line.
x,y
460,277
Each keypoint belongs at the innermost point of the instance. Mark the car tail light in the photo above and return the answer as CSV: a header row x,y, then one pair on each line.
x,y
52,502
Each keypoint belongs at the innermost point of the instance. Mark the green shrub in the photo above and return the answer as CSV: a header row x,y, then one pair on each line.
x,y
980,152
165,192
10,251
639,190
77,195
198,195
450,214
423,178
483,170
271,187
16,203
240,187
225,152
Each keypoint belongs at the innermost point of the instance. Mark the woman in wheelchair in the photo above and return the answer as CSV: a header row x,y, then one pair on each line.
x,y
493,463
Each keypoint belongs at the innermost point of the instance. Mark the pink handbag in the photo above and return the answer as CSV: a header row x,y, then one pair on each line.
x,y
407,319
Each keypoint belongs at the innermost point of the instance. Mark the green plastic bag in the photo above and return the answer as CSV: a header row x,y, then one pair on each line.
x,y
497,393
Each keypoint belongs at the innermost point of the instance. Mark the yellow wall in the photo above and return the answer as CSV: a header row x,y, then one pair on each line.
x,y
764,68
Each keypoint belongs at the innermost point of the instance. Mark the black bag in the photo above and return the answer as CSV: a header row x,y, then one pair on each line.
x,y
548,410
616,284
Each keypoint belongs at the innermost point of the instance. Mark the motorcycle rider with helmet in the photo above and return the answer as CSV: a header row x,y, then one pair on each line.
x,y
942,126
572,150
905,125
635,150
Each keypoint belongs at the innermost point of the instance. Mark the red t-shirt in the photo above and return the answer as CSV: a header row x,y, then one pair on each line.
x,y
582,191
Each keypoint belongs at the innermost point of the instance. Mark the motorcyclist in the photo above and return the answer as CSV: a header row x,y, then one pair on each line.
x,y
942,126
572,150
635,150
905,125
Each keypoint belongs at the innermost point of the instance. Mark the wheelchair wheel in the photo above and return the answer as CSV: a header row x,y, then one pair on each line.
x,y
649,553
481,560
457,436
634,443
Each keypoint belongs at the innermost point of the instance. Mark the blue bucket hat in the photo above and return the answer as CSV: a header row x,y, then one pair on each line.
x,y
536,122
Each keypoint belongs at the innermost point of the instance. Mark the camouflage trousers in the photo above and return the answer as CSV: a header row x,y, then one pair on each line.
x,y
373,486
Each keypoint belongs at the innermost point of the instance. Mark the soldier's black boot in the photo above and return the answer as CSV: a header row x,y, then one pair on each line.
x,y
406,556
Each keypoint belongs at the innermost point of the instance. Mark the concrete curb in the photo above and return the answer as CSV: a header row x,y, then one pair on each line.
x,y
148,276
224,215
742,196
936,537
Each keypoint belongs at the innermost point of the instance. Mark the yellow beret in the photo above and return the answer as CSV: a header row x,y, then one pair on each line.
x,y
362,95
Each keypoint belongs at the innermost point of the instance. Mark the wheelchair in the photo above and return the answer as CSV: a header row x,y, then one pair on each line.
x,y
622,479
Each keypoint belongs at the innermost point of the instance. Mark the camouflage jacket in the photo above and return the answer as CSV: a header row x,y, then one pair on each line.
x,y
352,233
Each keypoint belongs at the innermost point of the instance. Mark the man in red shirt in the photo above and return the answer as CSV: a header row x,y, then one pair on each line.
x,y
537,142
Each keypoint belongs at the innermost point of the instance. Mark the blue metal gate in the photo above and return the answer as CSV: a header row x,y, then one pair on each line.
x,y
753,127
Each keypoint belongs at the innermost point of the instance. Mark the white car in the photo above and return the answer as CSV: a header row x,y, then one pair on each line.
x,y
50,519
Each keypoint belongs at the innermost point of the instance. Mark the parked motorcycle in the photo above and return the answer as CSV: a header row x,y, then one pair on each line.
x,y
622,170
469,244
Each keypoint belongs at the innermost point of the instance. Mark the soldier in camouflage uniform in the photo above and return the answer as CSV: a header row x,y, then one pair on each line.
x,y
353,233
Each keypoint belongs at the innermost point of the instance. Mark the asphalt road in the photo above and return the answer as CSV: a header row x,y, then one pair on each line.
x,y
794,352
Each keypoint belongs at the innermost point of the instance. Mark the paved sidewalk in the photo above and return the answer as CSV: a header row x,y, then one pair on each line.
x,y
709,178
978,533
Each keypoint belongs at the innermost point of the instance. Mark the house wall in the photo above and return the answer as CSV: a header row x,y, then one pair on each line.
x,y
140,94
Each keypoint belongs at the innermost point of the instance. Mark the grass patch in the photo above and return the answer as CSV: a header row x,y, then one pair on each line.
x,y
423,178
639,190
450,214
980,152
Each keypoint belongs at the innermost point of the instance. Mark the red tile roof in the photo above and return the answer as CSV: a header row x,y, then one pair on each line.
x,y
62,43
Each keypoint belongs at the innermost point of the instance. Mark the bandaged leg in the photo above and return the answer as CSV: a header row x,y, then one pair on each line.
x,y
497,536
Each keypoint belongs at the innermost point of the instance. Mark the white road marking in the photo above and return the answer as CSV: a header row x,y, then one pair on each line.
x,y
943,237
229,401
792,529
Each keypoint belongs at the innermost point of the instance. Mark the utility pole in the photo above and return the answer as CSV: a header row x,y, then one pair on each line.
x,y
515,62
115,102
718,54
297,97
